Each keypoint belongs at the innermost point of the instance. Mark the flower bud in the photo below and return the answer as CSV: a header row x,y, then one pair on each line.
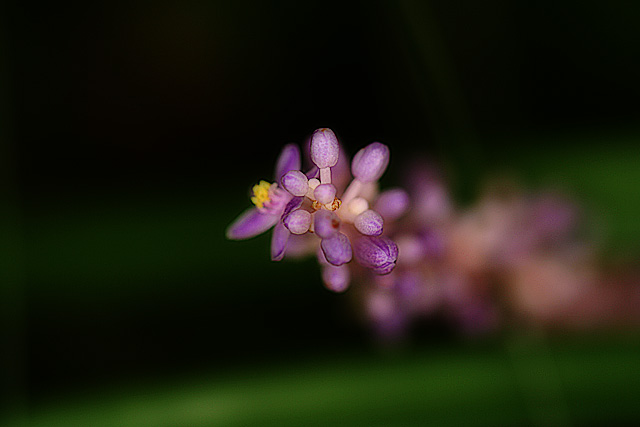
x,y
296,183
326,223
325,193
298,222
369,223
337,249
324,148
369,163
377,253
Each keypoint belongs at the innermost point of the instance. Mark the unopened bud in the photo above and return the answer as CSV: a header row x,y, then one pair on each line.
x,y
369,164
324,148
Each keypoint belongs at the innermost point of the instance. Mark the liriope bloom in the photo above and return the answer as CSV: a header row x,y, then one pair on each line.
x,y
326,211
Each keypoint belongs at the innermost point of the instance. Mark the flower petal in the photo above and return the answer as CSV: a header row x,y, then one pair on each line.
x,y
341,172
337,249
279,241
288,160
314,172
251,223
293,204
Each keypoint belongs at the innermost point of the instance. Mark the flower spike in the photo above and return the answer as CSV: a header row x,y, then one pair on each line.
x,y
320,211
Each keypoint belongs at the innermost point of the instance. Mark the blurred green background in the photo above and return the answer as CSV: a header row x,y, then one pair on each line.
x,y
132,132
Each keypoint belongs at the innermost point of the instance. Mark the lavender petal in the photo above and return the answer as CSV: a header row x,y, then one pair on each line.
x,y
324,148
279,241
325,223
336,278
293,204
288,160
392,204
341,172
369,164
377,253
337,249
314,172
369,223
250,223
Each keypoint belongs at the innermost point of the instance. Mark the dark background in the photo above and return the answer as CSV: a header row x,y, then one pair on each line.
x,y
133,132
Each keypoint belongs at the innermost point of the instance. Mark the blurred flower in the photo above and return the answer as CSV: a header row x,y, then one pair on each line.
x,y
510,256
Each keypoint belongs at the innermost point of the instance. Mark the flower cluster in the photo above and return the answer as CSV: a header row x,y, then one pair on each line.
x,y
319,211
511,256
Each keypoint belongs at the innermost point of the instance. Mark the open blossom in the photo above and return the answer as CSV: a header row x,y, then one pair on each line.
x,y
318,214
271,202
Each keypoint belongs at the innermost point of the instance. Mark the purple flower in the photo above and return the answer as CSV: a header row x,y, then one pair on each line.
x,y
337,221
319,204
270,203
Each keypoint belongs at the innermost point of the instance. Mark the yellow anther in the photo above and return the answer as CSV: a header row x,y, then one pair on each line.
x,y
260,193
316,205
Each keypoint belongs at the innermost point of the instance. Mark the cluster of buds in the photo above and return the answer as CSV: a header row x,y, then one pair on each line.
x,y
315,212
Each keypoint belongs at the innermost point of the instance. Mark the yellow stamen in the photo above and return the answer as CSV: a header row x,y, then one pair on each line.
x,y
260,193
